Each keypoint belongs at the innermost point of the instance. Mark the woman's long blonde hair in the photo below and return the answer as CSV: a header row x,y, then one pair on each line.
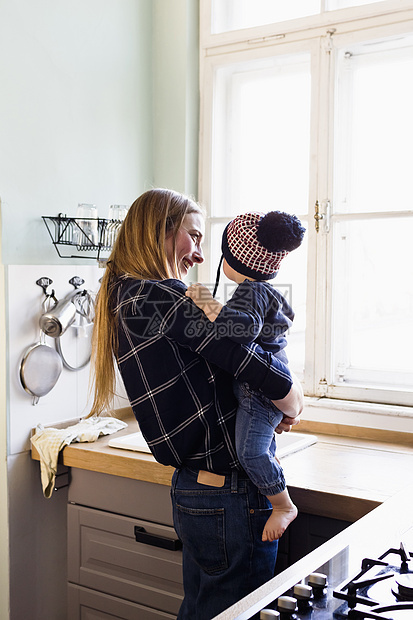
x,y
139,251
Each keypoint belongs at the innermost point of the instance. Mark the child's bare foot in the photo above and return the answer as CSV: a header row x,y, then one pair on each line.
x,y
284,512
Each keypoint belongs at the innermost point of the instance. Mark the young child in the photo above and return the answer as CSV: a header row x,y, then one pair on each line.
x,y
253,245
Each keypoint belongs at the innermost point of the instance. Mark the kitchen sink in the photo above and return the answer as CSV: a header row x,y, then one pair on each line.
x,y
287,443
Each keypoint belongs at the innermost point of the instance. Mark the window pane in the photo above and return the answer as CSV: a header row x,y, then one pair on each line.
x,y
331,5
261,136
373,302
236,14
374,125
215,237
260,161
372,267
291,281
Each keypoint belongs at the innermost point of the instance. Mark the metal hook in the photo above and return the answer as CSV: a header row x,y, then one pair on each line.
x,y
44,283
76,281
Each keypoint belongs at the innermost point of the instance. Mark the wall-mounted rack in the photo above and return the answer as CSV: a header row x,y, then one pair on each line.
x,y
90,236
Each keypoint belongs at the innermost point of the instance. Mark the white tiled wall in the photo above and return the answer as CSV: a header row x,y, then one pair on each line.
x,y
37,526
69,398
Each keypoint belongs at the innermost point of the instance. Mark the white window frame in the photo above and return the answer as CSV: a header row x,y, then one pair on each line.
x,y
319,34
323,363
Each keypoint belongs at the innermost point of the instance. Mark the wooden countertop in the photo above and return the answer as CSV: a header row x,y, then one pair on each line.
x,y
342,477
337,469
98,456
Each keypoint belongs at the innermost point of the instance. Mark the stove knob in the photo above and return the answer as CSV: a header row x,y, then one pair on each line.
x,y
303,594
318,582
287,604
268,614
317,579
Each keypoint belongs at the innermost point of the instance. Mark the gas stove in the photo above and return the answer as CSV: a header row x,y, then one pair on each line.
x,y
382,589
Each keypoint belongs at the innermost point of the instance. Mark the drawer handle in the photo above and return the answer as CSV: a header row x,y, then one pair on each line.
x,y
142,536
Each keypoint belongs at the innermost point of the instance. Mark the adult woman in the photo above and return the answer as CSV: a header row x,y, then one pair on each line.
x,y
178,377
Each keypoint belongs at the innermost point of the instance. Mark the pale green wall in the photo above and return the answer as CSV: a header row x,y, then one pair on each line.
x,y
75,115
100,102
176,94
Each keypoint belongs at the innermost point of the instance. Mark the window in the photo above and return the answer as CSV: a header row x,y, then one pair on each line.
x,y
372,229
230,15
236,14
317,121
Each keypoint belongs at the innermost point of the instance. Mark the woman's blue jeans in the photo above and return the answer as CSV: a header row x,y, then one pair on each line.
x,y
257,417
224,558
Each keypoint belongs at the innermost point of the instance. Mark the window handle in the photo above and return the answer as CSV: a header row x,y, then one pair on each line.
x,y
322,213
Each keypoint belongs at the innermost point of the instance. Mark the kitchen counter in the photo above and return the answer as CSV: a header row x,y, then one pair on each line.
x,y
340,476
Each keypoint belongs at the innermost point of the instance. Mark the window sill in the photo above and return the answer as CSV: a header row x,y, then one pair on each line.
x,y
345,415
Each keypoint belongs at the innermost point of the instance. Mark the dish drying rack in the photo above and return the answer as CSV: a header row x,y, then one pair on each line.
x,y
87,235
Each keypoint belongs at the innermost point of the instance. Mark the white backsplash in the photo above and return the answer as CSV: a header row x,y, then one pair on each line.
x,y
69,398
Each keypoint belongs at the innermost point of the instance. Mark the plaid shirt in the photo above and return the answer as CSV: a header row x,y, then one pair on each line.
x,y
178,374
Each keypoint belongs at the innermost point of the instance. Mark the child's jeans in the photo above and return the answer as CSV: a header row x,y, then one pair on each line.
x,y
257,417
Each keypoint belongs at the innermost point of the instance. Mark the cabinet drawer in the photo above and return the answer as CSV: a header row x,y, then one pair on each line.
x,y
123,496
103,554
85,604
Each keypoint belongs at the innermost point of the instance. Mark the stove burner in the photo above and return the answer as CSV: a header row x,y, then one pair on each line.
x,y
404,555
380,588
405,587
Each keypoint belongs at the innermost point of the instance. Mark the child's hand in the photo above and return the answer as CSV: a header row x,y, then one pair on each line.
x,y
202,297
200,294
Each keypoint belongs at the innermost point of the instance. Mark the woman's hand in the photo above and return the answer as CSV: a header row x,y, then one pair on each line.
x,y
286,424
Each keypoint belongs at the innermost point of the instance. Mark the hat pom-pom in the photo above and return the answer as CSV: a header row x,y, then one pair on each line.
x,y
278,231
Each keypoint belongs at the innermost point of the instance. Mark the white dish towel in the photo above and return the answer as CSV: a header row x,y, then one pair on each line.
x,y
49,441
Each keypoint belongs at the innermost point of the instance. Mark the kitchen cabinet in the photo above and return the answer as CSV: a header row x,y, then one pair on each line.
x,y
111,574
124,559
304,534
91,605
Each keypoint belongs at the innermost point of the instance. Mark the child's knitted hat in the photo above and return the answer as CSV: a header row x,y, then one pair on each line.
x,y
254,244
